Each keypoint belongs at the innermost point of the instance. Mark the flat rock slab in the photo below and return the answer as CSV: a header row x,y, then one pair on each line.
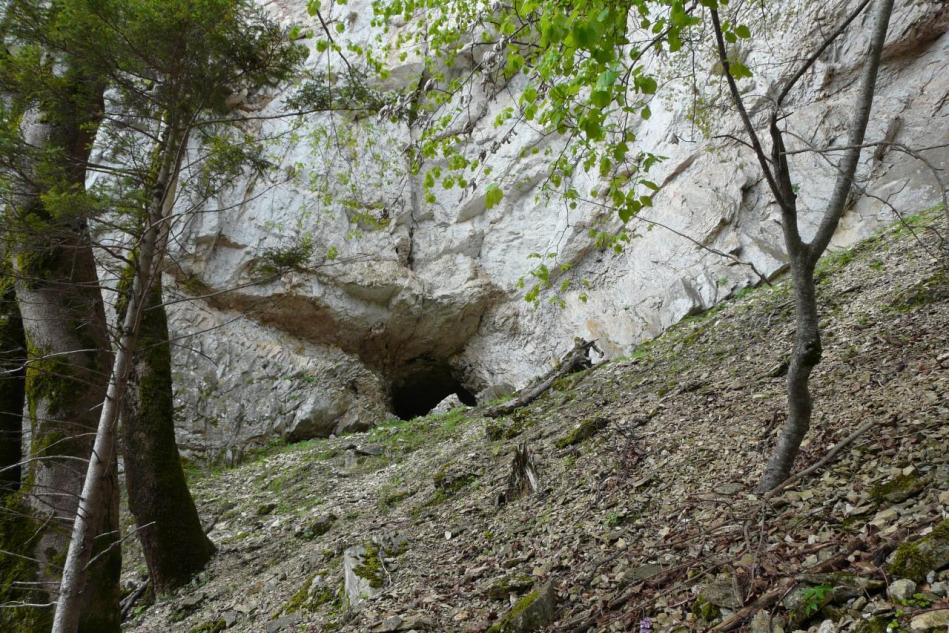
x,y
531,613
361,569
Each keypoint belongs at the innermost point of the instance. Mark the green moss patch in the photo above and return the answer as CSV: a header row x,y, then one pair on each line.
x,y
450,481
211,626
933,289
371,566
915,559
898,489
583,431
502,588
312,595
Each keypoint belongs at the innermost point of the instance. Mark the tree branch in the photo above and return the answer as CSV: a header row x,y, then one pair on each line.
x,y
848,164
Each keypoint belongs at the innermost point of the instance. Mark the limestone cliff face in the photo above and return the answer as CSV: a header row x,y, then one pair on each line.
x,y
424,298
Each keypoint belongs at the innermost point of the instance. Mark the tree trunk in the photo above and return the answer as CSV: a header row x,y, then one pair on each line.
x,y
169,529
146,263
805,356
57,290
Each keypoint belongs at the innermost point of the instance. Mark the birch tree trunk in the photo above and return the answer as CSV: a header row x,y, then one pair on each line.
x,y
146,262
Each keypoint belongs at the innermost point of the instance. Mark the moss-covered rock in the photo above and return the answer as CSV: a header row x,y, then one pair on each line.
x,y
211,626
311,595
873,625
898,489
914,559
450,480
317,527
531,613
933,289
583,431
806,603
370,568
501,588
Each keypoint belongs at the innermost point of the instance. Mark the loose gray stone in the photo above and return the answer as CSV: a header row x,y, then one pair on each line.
x,y
361,574
531,613
902,589
282,624
722,593
931,620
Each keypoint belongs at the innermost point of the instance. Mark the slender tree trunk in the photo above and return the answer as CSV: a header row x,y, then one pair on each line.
x,y
146,262
805,356
804,256
169,528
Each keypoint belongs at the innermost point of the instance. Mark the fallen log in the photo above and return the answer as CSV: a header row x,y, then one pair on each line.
x,y
577,359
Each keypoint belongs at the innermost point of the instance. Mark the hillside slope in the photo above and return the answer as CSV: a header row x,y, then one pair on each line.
x,y
645,467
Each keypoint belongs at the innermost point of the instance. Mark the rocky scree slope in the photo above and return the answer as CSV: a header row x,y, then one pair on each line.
x,y
426,292
644,508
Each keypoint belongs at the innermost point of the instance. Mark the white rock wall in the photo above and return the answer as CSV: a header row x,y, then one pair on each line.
x,y
315,352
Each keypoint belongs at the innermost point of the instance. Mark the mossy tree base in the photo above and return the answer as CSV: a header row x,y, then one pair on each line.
x,y
173,540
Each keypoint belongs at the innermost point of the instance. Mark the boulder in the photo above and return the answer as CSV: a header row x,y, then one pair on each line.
x,y
363,574
448,404
531,613
901,590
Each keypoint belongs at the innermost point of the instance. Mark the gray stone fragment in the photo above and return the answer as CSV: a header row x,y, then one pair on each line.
x,y
285,623
362,574
902,589
531,613
722,592
931,620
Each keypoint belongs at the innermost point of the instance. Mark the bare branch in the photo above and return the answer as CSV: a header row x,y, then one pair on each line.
x,y
848,164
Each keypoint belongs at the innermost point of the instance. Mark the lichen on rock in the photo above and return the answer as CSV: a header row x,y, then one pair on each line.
x,y
914,559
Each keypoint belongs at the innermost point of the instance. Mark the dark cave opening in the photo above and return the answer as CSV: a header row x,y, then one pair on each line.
x,y
420,387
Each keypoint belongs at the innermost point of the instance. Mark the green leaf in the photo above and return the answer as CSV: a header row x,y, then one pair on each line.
x,y
606,80
492,196
647,84
743,31
738,70
601,98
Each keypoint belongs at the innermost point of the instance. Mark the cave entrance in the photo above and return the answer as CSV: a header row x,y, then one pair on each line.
x,y
418,388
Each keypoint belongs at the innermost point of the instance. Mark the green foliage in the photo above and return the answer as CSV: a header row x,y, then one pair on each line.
x,y
581,77
325,92
576,70
814,598
492,196
294,257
